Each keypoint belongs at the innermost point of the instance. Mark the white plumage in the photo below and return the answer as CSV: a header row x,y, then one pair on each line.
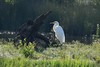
x,y
59,33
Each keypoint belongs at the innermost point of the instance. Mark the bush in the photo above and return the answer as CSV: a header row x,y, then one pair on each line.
x,y
28,51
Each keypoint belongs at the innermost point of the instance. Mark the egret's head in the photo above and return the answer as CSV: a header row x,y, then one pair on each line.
x,y
56,23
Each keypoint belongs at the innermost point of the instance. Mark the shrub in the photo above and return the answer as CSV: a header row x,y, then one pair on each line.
x,y
28,51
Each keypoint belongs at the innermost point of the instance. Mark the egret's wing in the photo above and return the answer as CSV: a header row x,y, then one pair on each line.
x,y
59,33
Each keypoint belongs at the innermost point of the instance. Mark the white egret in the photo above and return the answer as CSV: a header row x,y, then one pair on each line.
x,y
59,33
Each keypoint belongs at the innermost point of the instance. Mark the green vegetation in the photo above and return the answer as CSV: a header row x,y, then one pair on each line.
x,y
73,54
27,51
78,18
19,62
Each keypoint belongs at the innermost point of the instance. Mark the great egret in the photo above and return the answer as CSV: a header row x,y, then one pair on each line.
x,y
59,33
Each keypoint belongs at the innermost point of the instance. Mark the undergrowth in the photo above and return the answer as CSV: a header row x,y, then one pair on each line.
x,y
74,54
19,62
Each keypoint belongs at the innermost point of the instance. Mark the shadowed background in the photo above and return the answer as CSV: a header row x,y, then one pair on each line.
x,y
77,17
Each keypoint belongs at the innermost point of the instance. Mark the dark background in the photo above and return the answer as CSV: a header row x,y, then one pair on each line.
x,y
77,17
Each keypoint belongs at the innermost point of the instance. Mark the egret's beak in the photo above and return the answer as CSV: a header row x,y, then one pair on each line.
x,y
52,23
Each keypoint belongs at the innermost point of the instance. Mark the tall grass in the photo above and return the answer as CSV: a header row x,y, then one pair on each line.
x,y
22,62
73,54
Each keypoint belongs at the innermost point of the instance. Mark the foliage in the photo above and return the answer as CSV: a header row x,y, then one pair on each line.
x,y
20,62
74,54
97,31
27,51
7,50
10,1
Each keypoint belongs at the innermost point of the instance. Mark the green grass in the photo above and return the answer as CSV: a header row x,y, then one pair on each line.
x,y
73,54
20,62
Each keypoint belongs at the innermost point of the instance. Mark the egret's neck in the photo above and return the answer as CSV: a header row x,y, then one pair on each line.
x,y
55,26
